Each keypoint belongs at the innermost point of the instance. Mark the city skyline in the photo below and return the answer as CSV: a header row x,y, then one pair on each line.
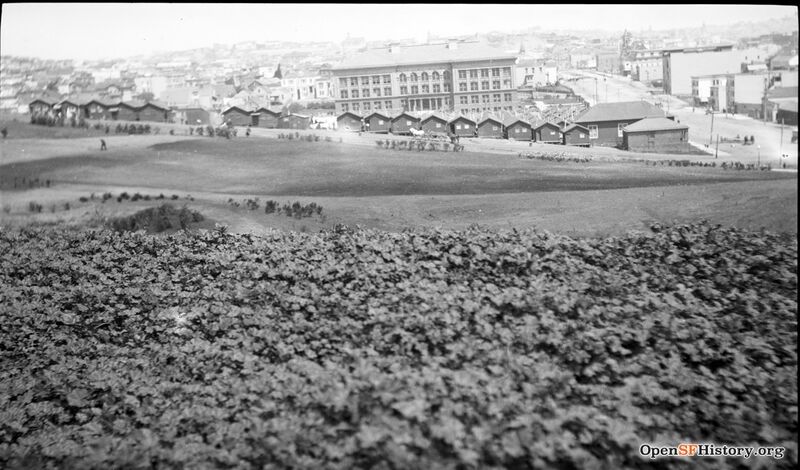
x,y
37,30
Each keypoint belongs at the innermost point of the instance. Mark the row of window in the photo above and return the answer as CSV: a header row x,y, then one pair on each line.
x,y
425,76
484,73
365,80
483,98
387,91
473,86
415,89
413,77
366,106
486,109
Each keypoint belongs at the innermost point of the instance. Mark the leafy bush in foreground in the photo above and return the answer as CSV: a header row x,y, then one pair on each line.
x,y
364,349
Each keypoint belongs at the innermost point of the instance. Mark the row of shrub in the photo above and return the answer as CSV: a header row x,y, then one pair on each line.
x,y
419,145
24,183
130,129
723,165
307,138
555,157
296,210
156,219
51,121
133,198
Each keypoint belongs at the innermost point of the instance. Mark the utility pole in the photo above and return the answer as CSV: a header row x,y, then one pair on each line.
x,y
716,152
595,90
781,144
711,136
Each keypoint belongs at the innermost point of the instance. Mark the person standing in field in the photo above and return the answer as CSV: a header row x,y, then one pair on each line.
x,y
103,145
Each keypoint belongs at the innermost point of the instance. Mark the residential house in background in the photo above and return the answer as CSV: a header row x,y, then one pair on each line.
x,y
608,62
647,66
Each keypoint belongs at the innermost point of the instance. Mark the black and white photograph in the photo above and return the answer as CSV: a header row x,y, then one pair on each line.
x,y
396,236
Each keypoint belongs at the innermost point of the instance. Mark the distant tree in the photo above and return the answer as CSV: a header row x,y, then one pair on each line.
x,y
278,73
146,96
293,108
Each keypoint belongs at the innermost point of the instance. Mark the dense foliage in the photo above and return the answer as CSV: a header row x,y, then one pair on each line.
x,y
365,349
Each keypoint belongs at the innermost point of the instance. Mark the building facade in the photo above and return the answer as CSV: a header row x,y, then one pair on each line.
x,y
458,76
647,66
679,66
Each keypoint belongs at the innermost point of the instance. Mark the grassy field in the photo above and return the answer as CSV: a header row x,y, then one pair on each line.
x,y
383,188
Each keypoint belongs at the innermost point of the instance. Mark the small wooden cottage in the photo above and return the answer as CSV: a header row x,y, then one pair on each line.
x,y
99,109
660,135
491,128
236,116
378,123
518,129
294,121
154,112
128,111
547,133
348,121
434,123
403,122
463,126
265,117
577,135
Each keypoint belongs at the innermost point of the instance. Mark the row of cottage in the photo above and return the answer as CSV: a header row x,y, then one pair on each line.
x,y
100,109
635,125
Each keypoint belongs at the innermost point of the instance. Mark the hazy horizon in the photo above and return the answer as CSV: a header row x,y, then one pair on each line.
x,y
92,31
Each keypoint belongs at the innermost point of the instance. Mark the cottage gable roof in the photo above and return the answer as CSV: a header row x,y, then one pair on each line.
x,y
237,109
654,124
412,117
511,120
435,115
423,54
575,126
348,113
379,114
546,124
463,118
490,119
623,111
268,111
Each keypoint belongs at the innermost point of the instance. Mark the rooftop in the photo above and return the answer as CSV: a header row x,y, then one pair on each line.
x,y
620,112
423,54
654,124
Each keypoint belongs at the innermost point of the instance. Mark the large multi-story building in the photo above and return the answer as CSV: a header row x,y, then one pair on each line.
x,y
680,65
742,93
466,77
647,65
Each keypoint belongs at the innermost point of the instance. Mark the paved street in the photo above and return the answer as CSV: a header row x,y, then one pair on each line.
x,y
768,143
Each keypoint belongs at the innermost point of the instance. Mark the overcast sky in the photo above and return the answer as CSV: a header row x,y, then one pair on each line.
x,y
116,30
